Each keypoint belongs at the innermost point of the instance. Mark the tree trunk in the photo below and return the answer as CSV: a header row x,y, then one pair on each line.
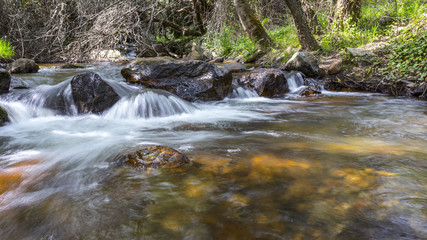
x,y
307,40
348,8
252,25
198,17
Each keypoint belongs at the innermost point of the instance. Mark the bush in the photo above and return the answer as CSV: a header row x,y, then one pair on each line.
x,y
407,52
6,49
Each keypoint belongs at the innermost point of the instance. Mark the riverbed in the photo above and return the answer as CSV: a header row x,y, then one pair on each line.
x,y
339,165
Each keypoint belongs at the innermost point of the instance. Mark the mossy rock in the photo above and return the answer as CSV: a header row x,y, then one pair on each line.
x,y
3,116
152,156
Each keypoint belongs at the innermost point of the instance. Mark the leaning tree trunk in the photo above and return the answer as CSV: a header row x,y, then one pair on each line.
x,y
252,25
348,8
306,40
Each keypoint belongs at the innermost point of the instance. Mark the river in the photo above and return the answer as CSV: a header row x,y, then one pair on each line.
x,y
340,165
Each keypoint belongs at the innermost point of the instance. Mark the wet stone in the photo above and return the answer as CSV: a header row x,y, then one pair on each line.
x,y
151,156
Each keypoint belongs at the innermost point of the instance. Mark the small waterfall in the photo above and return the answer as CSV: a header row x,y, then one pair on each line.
x,y
295,80
148,104
18,111
240,92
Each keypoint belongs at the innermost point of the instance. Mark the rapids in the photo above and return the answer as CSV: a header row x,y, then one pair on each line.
x,y
334,166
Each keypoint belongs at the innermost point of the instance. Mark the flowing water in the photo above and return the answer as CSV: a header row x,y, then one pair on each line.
x,y
333,166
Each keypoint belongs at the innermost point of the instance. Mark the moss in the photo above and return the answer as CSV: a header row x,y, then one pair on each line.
x,y
3,116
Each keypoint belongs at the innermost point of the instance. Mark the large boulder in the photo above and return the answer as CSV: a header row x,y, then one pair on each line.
x,y
305,62
24,65
266,82
92,94
190,80
5,79
3,116
152,156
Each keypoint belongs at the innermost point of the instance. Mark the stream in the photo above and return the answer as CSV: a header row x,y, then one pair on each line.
x,y
340,165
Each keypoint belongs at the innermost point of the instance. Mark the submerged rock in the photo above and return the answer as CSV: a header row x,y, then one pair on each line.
x,y
72,66
304,62
5,79
266,82
190,80
3,116
92,94
152,156
24,65
309,90
17,83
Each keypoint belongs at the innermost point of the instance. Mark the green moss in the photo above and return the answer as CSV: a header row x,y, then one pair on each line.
x,y
3,116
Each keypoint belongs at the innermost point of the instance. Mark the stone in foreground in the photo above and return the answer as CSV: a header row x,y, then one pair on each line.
x,y
92,94
151,156
190,80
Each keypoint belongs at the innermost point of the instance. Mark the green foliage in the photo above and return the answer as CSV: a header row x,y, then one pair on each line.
x,y
6,49
348,35
408,52
230,43
221,42
378,17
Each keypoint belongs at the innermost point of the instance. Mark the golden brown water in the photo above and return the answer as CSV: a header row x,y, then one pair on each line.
x,y
346,166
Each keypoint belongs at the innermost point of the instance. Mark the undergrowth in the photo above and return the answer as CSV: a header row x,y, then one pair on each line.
x,y
230,43
407,53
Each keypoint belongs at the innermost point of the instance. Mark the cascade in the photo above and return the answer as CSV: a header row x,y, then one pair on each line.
x,y
149,103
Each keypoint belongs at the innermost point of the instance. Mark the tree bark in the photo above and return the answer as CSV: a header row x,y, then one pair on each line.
x,y
252,25
198,18
307,40
348,8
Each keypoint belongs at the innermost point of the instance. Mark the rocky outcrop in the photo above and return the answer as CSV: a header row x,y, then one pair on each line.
x,y
92,94
265,82
190,80
24,65
304,62
152,156
3,116
5,79
360,82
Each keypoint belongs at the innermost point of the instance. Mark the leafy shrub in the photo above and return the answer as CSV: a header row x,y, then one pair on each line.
x,y
6,49
408,52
